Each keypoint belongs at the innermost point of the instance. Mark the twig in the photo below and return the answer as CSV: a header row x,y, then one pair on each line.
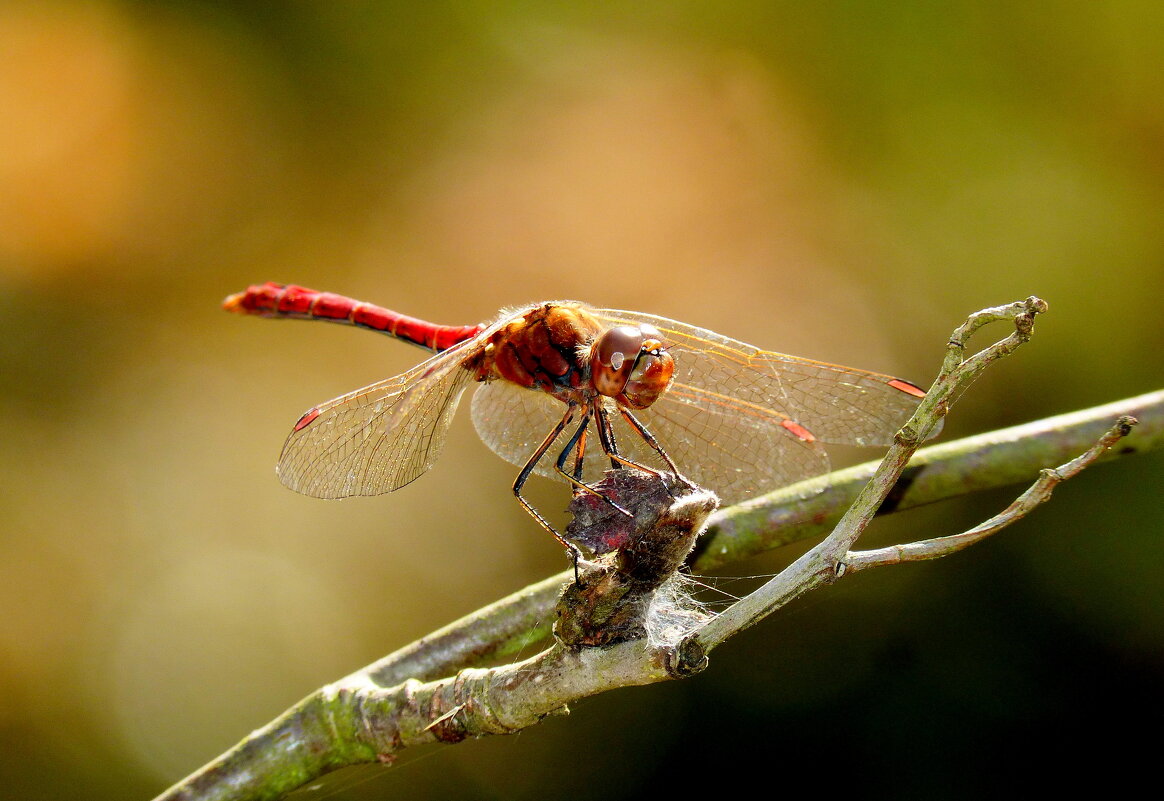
x,y
1035,495
791,514
935,473
358,720
819,565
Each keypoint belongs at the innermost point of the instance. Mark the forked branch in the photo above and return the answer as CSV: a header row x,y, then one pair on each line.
x,y
821,564
1035,495
802,511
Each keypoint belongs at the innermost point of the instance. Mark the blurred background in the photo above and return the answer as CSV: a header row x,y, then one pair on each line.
x,y
844,181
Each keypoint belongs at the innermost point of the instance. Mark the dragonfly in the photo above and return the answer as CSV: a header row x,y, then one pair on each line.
x,y
655,392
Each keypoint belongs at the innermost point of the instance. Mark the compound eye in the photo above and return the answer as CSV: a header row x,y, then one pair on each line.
x,y
651,377
617,345
613,357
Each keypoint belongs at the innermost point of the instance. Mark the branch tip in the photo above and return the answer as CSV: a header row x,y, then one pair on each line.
x,y
1035,495
687,659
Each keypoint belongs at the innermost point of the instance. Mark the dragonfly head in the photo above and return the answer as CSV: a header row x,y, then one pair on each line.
x,y
631,364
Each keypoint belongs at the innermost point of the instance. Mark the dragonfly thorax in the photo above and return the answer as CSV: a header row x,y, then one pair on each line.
x,y
563,350
545,349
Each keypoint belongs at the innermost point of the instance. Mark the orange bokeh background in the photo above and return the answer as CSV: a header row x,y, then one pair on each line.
x,y
841,181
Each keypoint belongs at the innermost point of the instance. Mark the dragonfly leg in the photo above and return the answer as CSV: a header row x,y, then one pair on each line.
x,y
606,436
528,469
575,445
617,460
648,438
580,454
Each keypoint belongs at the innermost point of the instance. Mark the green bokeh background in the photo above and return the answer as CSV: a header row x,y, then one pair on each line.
x,y
843,181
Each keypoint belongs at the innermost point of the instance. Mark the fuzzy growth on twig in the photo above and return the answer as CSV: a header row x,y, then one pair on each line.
x,y
629,590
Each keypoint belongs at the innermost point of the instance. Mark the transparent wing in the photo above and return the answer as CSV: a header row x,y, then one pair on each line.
x,y
735,456
513,421
379,438
738,419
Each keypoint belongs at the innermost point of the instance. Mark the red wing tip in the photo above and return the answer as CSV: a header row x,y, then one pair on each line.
x,y
306,419
798,431
907,387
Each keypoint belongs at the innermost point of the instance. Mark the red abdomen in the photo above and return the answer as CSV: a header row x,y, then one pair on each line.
x,y
297,302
